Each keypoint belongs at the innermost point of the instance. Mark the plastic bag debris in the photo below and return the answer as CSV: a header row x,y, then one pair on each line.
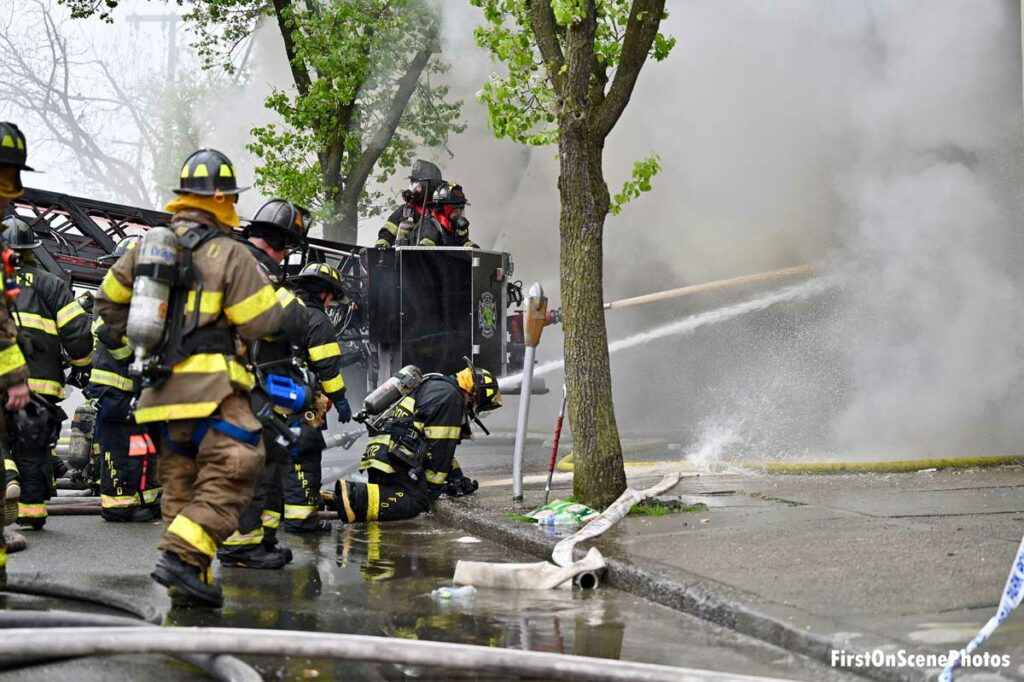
x,y
453,593
561,512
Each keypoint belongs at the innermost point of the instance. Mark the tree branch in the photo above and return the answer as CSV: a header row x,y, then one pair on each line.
x,y
282,8
546,32
363,166
641,30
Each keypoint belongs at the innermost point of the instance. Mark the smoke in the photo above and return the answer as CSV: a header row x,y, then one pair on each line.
x,y
880,139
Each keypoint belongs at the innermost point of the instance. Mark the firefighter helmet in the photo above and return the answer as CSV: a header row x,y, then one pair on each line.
x,y
424,170
208,172
13,150
18,235
321,277
123,247
284,218
482,386
450,193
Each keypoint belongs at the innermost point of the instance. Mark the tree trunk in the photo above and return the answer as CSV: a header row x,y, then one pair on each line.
x,y
344,224
598,475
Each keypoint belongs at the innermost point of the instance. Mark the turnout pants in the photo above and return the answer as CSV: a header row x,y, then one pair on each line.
x,y
259,521
386,497
127,481
204,494
302,482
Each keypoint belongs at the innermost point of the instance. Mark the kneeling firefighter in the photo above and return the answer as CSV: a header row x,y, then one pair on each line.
x,y
13,368
188,298
51,323
129,488
277,227
410,459
318,285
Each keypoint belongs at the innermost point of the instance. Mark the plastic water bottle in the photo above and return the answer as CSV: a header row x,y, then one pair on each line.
x,y
449,593
560,519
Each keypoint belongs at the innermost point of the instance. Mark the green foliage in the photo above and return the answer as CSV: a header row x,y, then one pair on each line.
x,y
638,183
659,509
346,60
522,104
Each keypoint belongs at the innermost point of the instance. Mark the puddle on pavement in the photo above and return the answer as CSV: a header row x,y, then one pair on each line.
x,y
376,579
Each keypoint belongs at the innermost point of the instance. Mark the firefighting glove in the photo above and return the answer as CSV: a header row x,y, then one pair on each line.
x,y
344,409
458,487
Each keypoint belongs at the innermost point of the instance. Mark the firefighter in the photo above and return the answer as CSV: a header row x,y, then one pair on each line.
x,y
199,409
277,227
129,488
424,179
409,462
13,368
51,323
318,285
449,226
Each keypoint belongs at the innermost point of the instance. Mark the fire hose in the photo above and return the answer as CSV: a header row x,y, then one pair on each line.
x,y
91,641
140,616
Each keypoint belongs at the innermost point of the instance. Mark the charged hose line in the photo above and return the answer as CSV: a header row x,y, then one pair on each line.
x,y
37,586
484,660
226,668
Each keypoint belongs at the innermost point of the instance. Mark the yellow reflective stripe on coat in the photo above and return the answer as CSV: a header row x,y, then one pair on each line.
x,y
210,363
68,313
270,518
122,353
408,403
443,432
435,477
333,385
239,539
285,297
192,533
10,465
114,290
372,501
327,350
105,378
427,242
3,556
252,307
376,464
46,387
166,413
82,362
34,321
150,496
11,358
299,511
209,304
391,227
118,501
32,510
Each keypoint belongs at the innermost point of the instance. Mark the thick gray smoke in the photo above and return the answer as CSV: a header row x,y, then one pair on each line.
x,y
880,138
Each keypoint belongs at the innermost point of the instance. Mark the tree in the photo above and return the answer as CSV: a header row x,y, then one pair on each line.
x,y
124,137
361,99
571,66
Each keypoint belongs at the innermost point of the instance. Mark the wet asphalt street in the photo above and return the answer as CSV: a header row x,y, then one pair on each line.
x,y
376,579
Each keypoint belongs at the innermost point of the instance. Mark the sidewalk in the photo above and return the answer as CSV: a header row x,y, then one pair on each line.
x,y
813,563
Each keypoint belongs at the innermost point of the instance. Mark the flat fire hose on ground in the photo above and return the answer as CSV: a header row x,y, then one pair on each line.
x,y
564,571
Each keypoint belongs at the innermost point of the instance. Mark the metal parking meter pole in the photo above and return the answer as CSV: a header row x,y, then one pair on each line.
x,y
535,316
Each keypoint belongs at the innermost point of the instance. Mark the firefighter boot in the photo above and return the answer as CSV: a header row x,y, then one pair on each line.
x,y
253,556
13,492
271,545
188,585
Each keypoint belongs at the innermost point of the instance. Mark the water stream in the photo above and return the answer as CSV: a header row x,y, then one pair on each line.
x,y
693,322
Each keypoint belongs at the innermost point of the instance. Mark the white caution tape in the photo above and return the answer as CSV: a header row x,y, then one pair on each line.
x,y
1012,594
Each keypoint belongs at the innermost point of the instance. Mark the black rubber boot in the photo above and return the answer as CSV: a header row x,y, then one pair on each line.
x,y
275,548
184,582
255,556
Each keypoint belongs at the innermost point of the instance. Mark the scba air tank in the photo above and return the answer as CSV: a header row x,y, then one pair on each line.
x,y
151,291
394,389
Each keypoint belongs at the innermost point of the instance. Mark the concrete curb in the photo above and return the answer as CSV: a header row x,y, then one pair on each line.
x,y
695,595
878,467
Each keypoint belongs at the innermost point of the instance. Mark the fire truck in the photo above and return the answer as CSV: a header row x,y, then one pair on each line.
x,y
430,307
